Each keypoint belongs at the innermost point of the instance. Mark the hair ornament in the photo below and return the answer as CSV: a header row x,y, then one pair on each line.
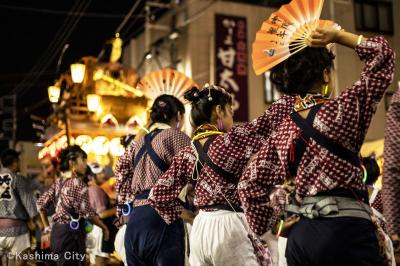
x,y
162,104
209,93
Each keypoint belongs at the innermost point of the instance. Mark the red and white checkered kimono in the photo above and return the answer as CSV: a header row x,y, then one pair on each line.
x,y
344,119
231,151
74,194
131,181
391,167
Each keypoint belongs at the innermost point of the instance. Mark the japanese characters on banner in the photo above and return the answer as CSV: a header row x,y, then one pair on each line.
x,y
231,61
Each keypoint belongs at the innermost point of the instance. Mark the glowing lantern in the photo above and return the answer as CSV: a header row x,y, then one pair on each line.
x,y
116,149
100,145
53,149
43,152
54,93
78,72
93,102
85,142
62,142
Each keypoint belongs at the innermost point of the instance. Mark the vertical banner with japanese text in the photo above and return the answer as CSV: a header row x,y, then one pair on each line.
x,y
231,61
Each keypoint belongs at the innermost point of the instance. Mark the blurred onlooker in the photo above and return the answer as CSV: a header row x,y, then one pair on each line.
x,y
17,207
49,170
98,249
48,174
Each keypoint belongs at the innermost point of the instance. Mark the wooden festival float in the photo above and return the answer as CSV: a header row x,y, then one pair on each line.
x,y
102,104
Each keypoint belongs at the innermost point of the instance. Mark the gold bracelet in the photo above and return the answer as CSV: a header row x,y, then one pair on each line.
x,y
359,40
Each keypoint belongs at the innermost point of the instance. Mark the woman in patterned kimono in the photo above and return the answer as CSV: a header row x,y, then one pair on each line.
x,y
391,172
213,164
70,196
319,147
148,239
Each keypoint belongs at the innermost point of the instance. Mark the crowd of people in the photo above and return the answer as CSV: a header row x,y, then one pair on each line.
x,y
287,188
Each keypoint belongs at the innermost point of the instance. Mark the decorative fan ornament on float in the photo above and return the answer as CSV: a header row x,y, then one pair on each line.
x,y
165,81
285,32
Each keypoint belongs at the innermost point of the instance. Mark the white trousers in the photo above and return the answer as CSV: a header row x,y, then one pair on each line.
x,y
221,238
120,244
94,242
14,244
282,242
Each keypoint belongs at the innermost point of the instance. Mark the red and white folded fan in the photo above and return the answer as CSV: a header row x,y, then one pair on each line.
x,y
284,33
165,81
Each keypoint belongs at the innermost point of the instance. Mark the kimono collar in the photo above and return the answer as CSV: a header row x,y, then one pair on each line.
x,y
159,126
309,101
66,174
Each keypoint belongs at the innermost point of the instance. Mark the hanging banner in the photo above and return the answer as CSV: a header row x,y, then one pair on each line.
x,y
231,61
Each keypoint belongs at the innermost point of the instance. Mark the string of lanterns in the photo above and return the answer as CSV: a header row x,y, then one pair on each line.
x,y
99,145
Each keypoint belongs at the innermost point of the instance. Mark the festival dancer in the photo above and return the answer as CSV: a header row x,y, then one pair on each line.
x,y
17,210
319,148
148,239
391,170
70,196
213,164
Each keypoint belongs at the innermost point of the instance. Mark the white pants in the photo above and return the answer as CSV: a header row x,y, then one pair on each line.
x,y
282,242
272,244
119,244
14,244
221,238
93,243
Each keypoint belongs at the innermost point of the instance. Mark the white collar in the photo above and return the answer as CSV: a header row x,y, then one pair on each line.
x,y
66,174
159,126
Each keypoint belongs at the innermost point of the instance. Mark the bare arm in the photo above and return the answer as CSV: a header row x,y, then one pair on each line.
x,y
96,220
45,220
323,37
107,213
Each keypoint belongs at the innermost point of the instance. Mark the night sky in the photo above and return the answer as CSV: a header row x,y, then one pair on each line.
x,y
32,40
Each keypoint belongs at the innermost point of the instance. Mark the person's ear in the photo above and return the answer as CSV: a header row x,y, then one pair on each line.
x,y
71,164
179,116
326,75
219,111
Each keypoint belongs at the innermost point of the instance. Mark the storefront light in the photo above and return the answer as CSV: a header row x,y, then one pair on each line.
x,y
93,102
78,72
54,93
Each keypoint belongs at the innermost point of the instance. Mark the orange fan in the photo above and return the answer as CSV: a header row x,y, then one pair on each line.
x,y
285,31
165,81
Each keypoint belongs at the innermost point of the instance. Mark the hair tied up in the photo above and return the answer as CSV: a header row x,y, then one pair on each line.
x,y
192,95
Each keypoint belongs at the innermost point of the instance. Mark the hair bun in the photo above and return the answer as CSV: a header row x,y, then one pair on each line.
x,y
192,95
62,155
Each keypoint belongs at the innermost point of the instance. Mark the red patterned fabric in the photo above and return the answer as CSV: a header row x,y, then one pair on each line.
x,y
344,119
231,151
377,206
377,203
74,194
391,167
130,181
